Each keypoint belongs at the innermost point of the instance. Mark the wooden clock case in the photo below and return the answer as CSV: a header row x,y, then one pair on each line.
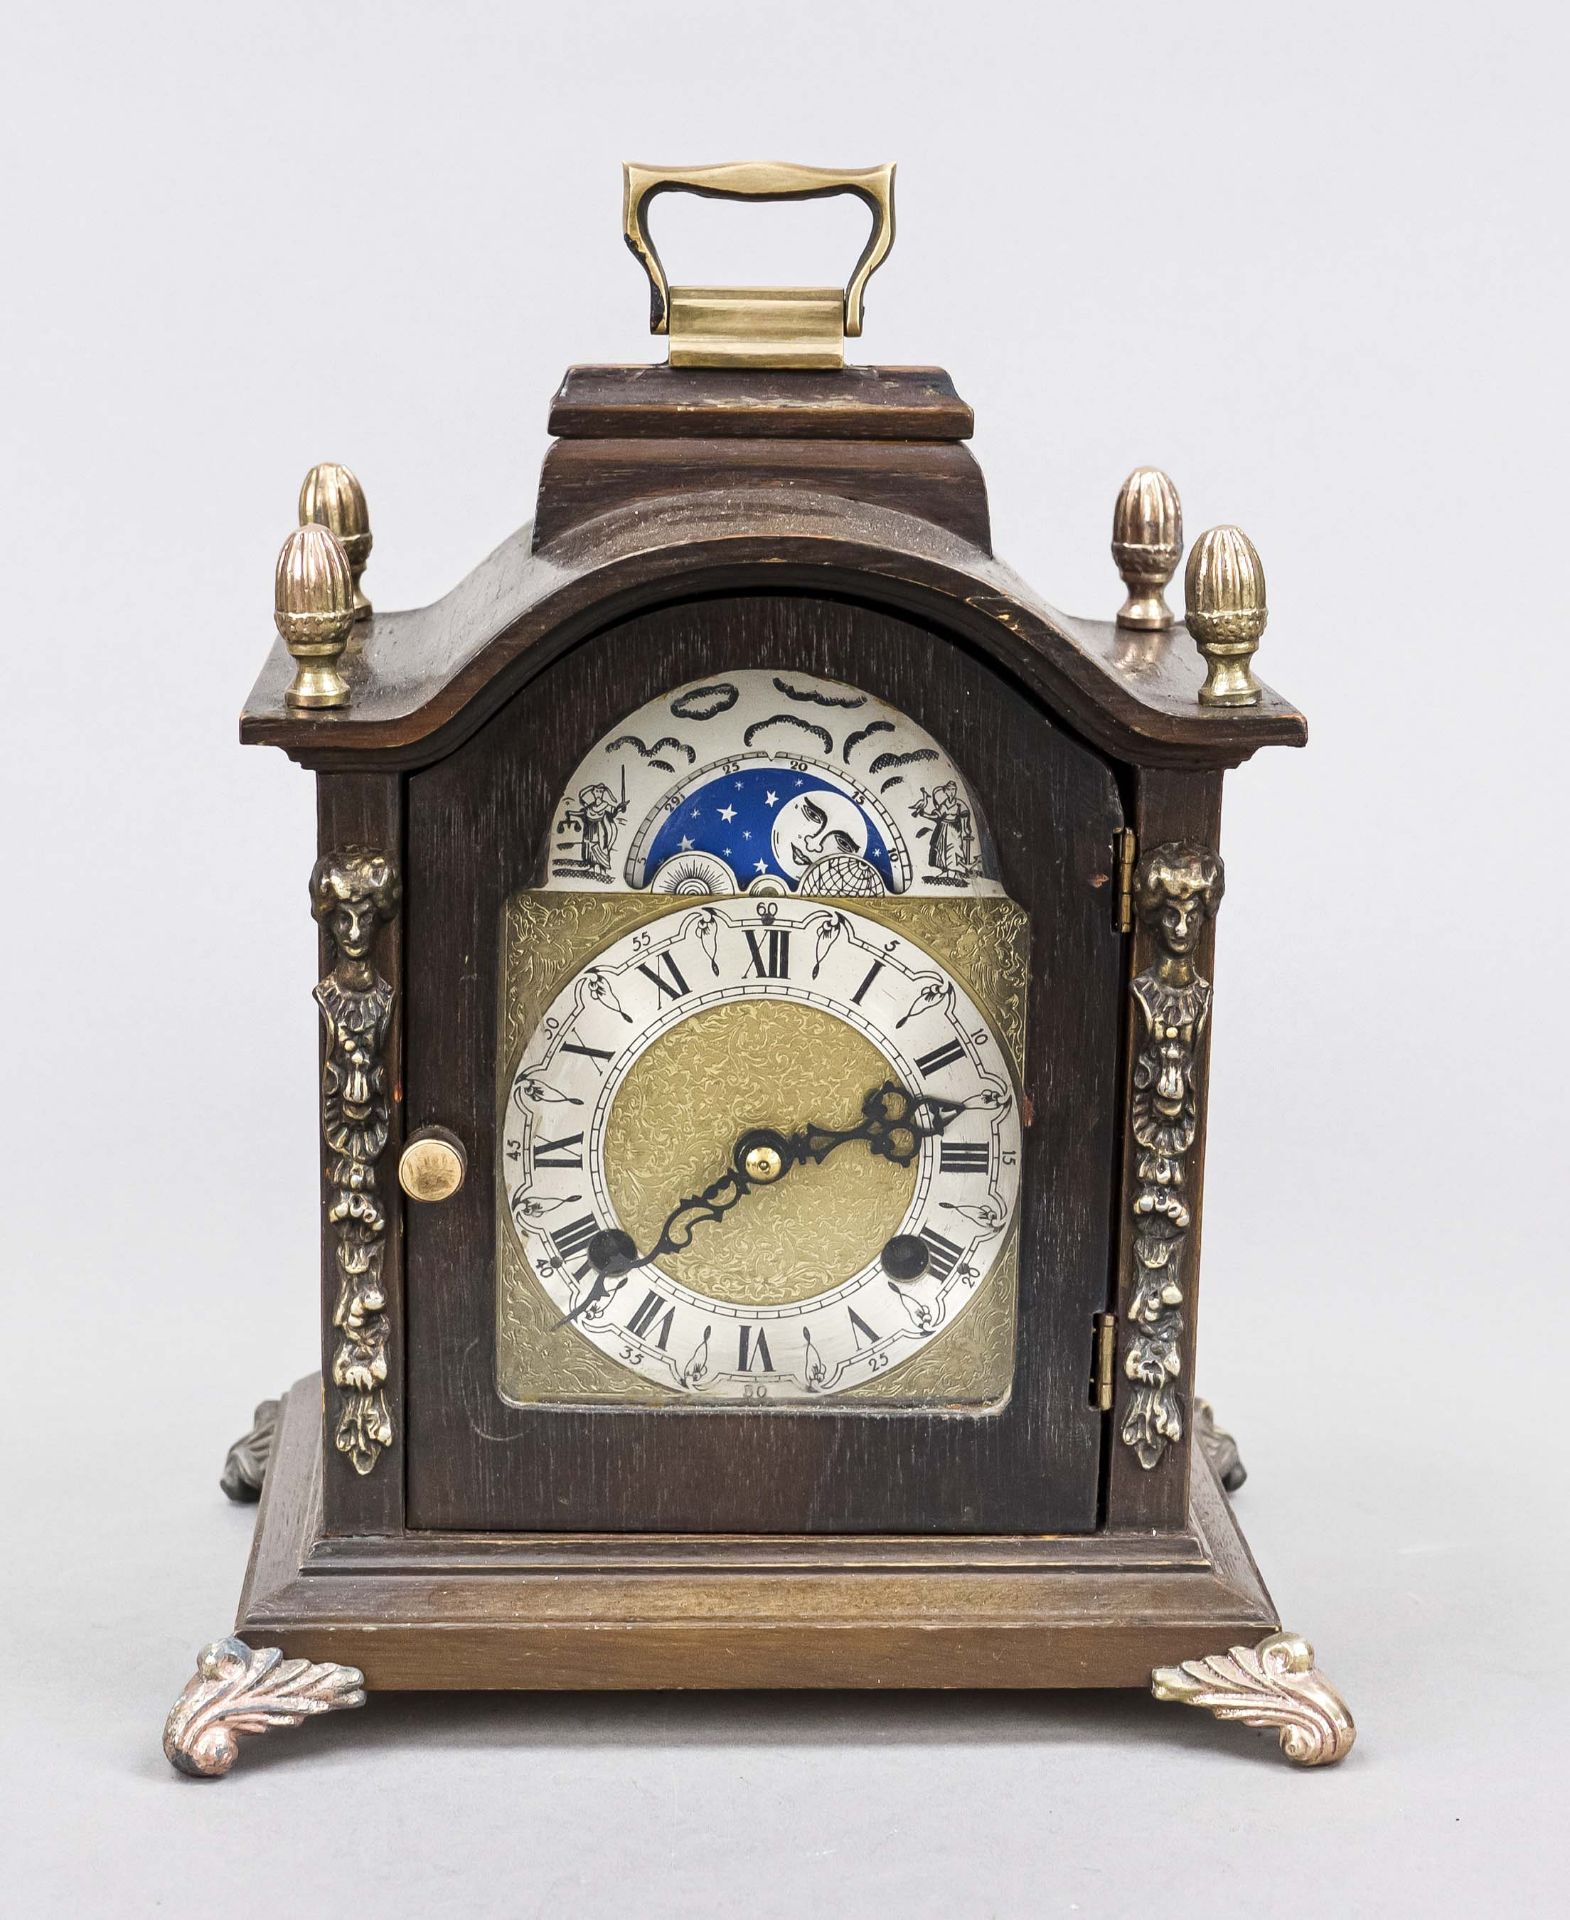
x,y
836,523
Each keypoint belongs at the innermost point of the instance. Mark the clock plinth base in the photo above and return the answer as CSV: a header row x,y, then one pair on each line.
x,y
641,1611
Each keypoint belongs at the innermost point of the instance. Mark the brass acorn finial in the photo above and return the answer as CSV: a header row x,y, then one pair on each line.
x,y
313,608
1225,588
1147,543
331,497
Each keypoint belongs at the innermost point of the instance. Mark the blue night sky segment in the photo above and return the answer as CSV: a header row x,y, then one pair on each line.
x,y
752,797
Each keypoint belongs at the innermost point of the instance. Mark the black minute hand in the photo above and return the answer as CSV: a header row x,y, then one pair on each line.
x,y
893,1124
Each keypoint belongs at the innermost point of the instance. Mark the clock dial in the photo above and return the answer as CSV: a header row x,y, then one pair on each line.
x,y
761,1150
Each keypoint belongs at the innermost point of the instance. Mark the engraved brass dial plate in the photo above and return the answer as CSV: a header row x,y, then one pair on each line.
x,y
701,1199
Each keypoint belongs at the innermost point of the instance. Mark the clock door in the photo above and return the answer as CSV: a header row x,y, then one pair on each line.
x,y
768,978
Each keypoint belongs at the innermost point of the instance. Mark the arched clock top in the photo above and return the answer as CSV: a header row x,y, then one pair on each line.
x,y
422,682
769,783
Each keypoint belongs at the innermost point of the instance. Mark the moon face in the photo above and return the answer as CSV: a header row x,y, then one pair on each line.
x,y
813,825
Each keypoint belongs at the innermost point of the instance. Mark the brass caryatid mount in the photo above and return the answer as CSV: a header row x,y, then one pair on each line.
x,y
1225,590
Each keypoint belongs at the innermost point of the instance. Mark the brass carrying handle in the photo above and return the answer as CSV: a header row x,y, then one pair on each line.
x,y
757,180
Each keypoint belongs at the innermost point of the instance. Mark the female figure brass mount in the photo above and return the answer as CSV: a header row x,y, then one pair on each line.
x,y
1177,890
352,892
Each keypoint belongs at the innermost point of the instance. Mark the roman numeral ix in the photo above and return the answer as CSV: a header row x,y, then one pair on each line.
x,y
555,1153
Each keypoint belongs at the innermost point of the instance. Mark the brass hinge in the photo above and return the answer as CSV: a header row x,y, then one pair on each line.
x,y
1104,1354
1125,848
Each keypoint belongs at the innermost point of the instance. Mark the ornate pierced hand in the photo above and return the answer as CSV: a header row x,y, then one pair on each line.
x,y
893,1124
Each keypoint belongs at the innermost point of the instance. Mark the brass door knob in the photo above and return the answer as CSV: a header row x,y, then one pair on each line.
x,y
432,1165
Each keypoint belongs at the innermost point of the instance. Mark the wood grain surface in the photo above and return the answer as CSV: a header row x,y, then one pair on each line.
x,y
477,826
849,403
932,480
668,1611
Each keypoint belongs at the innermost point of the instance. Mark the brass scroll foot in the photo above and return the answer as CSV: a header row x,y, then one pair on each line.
x,y
236,1690
1276,1685
245,1467
1220,1448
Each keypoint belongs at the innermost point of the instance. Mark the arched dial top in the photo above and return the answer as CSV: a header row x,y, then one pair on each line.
x,y
762,1150
770,783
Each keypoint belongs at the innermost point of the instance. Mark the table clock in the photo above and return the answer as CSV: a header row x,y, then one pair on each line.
x,y
765,985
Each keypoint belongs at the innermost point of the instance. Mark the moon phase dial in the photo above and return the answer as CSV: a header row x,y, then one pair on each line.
x,y
761,1151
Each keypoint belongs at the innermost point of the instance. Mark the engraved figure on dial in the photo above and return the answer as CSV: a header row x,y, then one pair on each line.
x,y
770,783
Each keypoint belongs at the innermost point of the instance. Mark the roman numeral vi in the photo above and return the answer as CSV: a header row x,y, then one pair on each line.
x,y
754,1350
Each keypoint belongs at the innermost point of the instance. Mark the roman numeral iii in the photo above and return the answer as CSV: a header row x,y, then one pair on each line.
x,y
962,1156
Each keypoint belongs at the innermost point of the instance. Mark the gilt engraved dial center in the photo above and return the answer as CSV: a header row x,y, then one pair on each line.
x,y
741,1068
766,1150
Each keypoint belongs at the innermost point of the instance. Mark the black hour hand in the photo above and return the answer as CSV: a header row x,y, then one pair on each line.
x,y
893,1125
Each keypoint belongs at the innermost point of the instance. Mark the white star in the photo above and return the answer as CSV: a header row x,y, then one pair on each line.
x,y
727,814
746,833
760,866
686,843
771,799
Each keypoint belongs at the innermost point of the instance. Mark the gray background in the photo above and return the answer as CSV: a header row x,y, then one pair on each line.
x,y
1311,260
